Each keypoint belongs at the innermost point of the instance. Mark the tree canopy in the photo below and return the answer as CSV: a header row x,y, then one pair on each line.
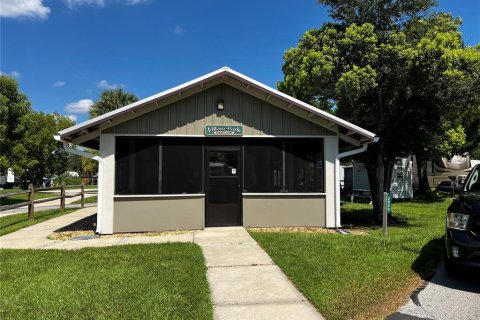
x,y
89,166
111,99
27,144
384,15
13,106
391,68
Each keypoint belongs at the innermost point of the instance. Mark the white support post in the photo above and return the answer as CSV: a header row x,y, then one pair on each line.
x,y
331,150
107,176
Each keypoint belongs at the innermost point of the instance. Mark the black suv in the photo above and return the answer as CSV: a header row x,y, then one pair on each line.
x,y
462,235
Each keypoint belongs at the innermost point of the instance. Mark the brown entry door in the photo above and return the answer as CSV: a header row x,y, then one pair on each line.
x,y
223,187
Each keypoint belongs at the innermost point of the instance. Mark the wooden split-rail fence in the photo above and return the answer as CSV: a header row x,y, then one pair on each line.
x,y
31,197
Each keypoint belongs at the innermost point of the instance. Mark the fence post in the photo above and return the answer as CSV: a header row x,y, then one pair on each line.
x,y
82,197
62,199
31,199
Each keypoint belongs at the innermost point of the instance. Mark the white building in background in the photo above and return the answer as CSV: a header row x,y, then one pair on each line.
x,y
401,186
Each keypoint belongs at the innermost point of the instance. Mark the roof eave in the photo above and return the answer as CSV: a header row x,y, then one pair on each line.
x,y
208,77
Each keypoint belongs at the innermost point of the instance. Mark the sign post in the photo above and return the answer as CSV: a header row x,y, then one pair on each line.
x,y
389,203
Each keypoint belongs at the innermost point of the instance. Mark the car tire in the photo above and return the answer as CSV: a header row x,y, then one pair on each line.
x,y
450,268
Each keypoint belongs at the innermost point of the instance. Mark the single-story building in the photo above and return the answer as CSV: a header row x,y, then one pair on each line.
x,y
220,150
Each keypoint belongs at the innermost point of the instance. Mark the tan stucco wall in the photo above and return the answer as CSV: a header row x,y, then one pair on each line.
x,y
278,211
157,214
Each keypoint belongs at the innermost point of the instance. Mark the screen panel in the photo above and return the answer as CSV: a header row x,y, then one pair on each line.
x,y
136,165
304,168
263,165
182,165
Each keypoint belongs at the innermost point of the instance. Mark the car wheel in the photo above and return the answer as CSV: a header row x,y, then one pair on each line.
x,y
450,268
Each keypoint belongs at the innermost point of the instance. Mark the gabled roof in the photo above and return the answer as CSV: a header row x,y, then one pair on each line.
x,y
87,132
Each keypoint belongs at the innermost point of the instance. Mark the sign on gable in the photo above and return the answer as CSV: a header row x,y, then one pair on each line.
x,y
223,130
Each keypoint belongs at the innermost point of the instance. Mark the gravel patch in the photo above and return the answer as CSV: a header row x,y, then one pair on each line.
x,y
86,227
358,231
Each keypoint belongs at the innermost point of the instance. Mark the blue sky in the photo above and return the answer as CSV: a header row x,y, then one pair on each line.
x,y
64,53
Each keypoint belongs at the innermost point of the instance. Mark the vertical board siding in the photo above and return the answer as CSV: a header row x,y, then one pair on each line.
x,y
190,115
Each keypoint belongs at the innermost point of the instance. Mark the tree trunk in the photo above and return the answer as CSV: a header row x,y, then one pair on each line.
x,y
388,175
378,196
379,176
424,186
372,177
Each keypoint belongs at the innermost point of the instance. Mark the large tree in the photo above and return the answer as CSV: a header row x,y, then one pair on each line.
x,y
13,106
389,67
111,99
90,166
472,130
445,77
36,154
26,139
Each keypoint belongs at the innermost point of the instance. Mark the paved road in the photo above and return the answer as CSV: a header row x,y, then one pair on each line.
x,y
443,298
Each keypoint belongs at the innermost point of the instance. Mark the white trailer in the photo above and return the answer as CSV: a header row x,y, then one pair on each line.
x,y
401,186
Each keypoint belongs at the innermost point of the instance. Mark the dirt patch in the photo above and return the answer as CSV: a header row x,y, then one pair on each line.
x,y
391,302
87,227
358,231
67,235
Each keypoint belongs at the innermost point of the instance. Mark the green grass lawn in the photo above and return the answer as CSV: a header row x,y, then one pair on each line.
x,y
24,197
90,187
155,281
92,199
9,190
363,276
16,222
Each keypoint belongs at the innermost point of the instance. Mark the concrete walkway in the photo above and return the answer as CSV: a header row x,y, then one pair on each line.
x,y
244,281
34,237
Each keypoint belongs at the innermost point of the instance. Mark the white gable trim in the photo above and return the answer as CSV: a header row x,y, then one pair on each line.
x,y
222,72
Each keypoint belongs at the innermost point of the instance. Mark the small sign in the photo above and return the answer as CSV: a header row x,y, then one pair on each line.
x,y
223,130
234,171
10,176
389,203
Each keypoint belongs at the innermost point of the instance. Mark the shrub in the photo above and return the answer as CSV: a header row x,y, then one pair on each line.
x,y
67,179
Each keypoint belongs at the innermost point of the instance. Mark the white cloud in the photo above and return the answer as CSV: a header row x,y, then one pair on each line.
x,y
178,30
14,74
78,3
99,3
134,2
72,117
80,106
36,9
59,84
104,85
23,8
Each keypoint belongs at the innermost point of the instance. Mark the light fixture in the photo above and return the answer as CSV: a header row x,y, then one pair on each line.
x,y
220,104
